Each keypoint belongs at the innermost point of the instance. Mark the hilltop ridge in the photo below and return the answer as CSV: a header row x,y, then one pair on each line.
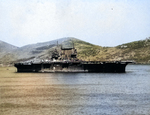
x,y
6,47
137,51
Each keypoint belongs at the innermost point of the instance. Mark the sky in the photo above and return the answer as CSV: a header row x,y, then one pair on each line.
x,y
100,22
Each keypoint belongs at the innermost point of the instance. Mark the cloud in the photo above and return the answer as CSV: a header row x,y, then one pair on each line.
x,y
99,22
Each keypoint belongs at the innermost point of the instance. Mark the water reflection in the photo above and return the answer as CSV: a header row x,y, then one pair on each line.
x,y
77,93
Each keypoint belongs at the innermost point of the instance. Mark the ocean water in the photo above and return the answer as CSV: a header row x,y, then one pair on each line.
x,y
75,93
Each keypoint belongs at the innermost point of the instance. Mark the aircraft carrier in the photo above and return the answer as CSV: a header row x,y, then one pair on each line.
x,y
66,60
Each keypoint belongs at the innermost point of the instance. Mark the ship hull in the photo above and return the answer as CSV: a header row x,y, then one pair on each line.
x,y
76,66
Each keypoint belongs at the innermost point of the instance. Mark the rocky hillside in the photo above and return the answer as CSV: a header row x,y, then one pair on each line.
x,y
137,51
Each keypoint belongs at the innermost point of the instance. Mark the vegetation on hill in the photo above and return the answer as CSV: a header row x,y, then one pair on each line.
x,y
136,44
138,51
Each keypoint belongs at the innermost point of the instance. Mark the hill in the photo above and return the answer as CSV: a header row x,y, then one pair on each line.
x,y
137,51
6,50
30,52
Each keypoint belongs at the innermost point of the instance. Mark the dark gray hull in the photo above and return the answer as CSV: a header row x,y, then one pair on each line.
x,y
73,66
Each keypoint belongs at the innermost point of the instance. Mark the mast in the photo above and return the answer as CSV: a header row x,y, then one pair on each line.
x,y
57,44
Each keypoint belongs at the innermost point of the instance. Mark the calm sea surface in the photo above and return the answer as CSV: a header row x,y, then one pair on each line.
x,y
75,93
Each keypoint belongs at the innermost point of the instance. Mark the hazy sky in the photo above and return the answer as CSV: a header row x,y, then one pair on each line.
x,y
101,22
